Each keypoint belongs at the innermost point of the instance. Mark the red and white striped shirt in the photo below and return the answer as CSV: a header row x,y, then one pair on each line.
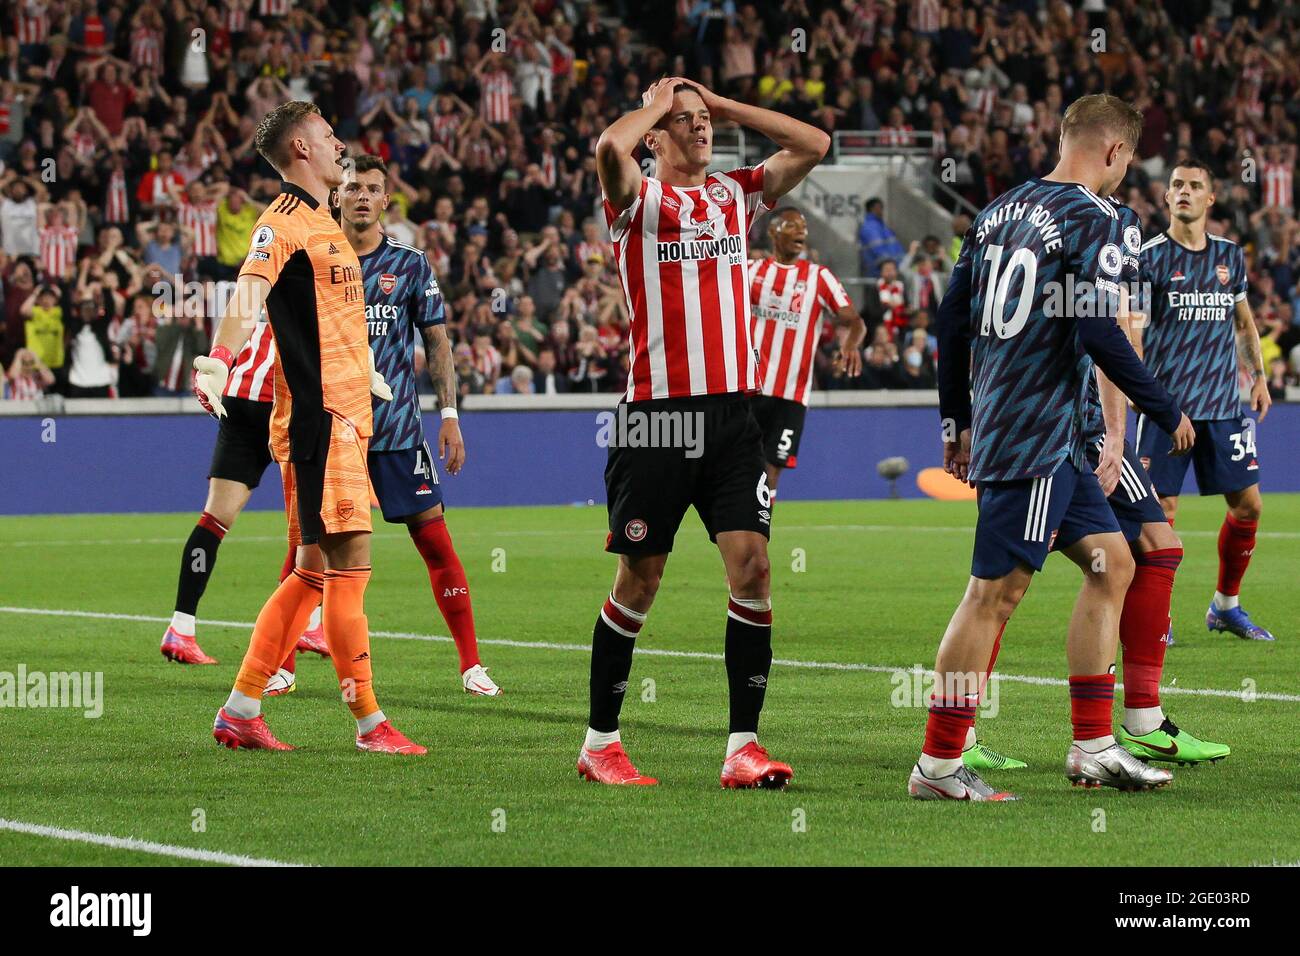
x,y
494,103
273,8
32,23
117,201
1277,184
681,254
445,126
550,169
253,374
25,388
790,303
58,250
201,219
236,16
146,49
926,16
897,135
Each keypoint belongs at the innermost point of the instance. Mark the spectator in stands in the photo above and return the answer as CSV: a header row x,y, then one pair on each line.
x,y
28,377
877,241
548,381
177,342
18,212
236,215
880,370
42,314
89,353
518,382
893,297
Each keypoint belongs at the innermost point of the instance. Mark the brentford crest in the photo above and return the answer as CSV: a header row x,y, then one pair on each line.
x,y
720,194
635,529
387,283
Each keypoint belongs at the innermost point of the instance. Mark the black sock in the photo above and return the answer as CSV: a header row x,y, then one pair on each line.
x,y
749,658
611,663
197,562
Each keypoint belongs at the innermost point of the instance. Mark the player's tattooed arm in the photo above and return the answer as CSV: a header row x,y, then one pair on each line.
x,y
1250,353
442,370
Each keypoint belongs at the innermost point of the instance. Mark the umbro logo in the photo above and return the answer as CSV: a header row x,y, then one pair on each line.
x,y
334,250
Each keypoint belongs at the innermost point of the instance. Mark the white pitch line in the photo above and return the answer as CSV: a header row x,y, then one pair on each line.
x,y
665,652
573,532
138,846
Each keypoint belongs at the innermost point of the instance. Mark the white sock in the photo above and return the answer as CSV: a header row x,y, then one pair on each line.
x,y
367,724
971,739
935,767
315,619
1143,720
596,740
242,706
183,623
736,741
1095,744
1226,602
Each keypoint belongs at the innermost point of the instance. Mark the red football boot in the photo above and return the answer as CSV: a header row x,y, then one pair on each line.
x,y
252,734
750,766
183,649
387,739
314,641
611,765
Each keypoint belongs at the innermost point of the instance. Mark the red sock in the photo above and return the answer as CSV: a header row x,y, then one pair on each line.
x,y
1091,700
1144,624
450,588
1236,545
993,658
945,728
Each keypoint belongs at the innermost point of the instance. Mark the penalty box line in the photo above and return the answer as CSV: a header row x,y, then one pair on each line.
x,y
1241,695
138,846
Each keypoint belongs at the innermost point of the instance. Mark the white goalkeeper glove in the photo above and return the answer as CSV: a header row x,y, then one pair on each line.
x,y
377,384
211,372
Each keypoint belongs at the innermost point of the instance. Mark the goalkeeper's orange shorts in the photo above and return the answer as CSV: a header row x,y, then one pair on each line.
x,y
331,493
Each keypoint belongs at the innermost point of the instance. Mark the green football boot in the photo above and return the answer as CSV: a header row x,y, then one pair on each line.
x,y
980,757
1168,744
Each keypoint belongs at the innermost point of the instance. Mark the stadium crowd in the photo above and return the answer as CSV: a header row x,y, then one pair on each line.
x,y
130,184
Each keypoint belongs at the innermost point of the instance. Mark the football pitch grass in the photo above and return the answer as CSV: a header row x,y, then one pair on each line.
x,y
859,589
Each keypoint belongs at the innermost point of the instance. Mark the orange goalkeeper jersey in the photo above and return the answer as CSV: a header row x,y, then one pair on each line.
x,y
317,312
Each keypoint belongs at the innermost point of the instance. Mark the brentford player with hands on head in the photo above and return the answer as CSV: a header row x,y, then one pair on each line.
x,y
403,302
680,246
302,270
1198,329
1032,304
791,298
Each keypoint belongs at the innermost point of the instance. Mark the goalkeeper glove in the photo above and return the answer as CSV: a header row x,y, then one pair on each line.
x,y
377,384
211,372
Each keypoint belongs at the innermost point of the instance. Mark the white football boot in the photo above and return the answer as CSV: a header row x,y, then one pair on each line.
x,y
281,682
478,683
962,784
1112,767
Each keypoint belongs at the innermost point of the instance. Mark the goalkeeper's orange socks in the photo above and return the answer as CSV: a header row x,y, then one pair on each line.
x,y
347,632
450,587
279,623
197,561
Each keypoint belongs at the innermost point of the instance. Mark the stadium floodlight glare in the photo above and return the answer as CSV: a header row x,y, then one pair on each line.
x,y
891,469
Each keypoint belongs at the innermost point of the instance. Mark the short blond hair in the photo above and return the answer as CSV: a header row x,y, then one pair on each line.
x,y
1104,116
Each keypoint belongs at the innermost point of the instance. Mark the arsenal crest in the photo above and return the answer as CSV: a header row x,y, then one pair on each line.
x,y
387,283
1222,272
345,509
